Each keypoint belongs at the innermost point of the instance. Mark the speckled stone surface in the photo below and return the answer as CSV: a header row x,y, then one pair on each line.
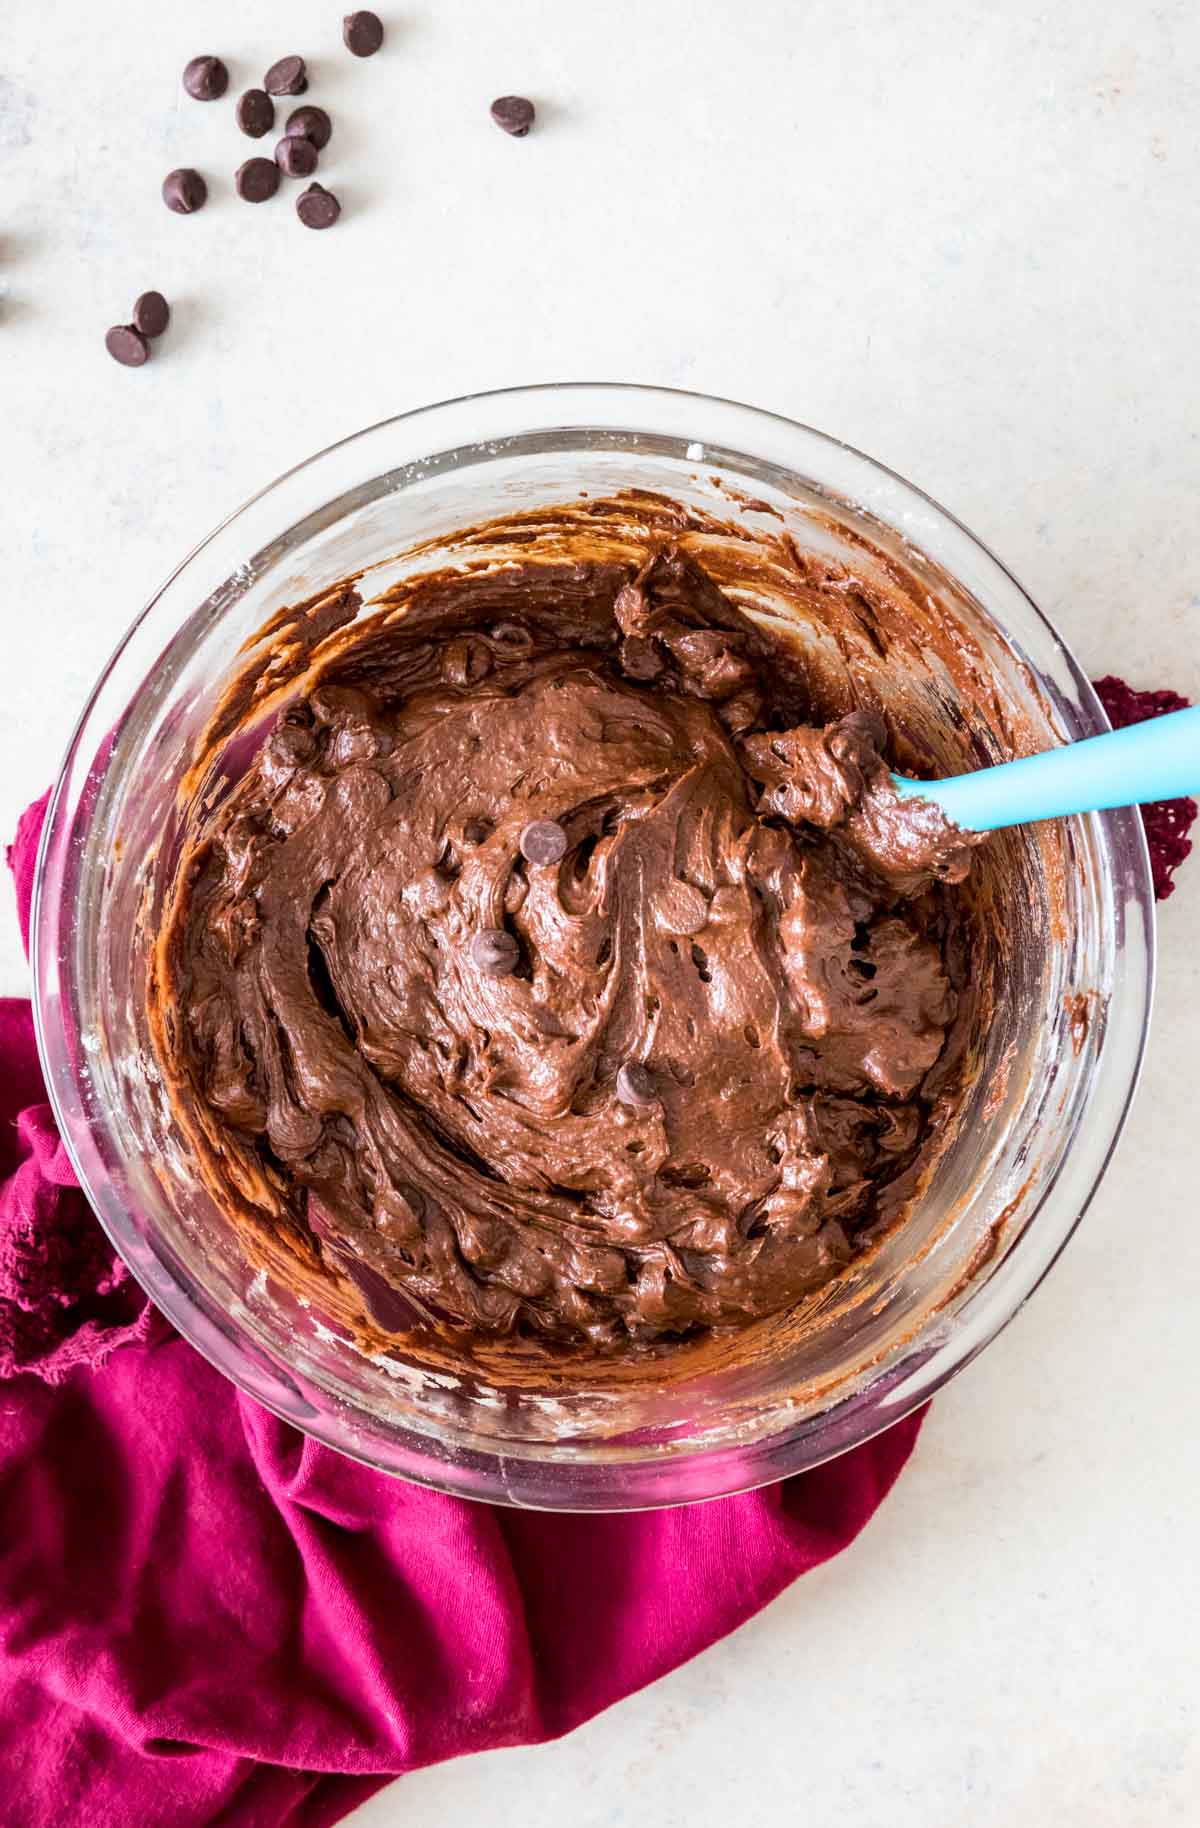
x,y
963,238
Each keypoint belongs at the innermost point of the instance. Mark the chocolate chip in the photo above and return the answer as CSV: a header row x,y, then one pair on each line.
x,y
255,113
636,1084
205,79
514,113
543,841
495,952
287,77
311,124
256,180
296,157
127,345
151,314
317,207
684,908
363,33
184,191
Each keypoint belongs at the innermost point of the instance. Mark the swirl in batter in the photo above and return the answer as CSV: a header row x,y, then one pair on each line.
x,y
558,976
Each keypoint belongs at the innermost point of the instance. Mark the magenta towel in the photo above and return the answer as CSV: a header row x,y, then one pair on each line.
x,y
207,1618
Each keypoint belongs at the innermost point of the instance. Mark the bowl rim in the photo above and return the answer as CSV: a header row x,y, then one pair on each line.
x,y
852,1420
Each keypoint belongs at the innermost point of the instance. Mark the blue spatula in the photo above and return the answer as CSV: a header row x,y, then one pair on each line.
x,y
1155,760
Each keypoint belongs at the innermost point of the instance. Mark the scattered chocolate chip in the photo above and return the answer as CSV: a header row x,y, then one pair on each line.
x,y
636,1085
477,831
543,841
184,191
127,345
151,314
256,180
311,124
495,952
205,79
255,113
317,207
287,77
515,113
363,33
296,157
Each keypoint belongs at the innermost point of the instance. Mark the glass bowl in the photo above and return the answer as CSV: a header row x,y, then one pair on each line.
x,y
1052,1078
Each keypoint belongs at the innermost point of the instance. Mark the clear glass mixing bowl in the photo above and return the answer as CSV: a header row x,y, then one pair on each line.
x,y
1055,1072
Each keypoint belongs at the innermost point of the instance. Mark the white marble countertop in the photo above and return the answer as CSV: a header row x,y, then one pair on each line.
x,y
965,238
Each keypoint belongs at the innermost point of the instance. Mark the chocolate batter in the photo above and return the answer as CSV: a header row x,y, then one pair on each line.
x,y
556,975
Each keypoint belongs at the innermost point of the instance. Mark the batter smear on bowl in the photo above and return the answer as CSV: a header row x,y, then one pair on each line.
x,y
555,974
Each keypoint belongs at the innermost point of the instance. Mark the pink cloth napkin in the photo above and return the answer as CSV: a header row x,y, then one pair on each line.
x,y
206,1618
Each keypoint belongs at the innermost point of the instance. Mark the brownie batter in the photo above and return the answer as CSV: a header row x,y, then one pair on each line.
x,y
556,975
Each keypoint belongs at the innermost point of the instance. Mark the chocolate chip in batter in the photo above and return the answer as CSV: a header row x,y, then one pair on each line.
x,y
636,1085
311,124
205,79
296,157
495,952
256,180
684,909
544,841
515,113
317,207
255,113
151,314
184,191
126,344
286,77
363,33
